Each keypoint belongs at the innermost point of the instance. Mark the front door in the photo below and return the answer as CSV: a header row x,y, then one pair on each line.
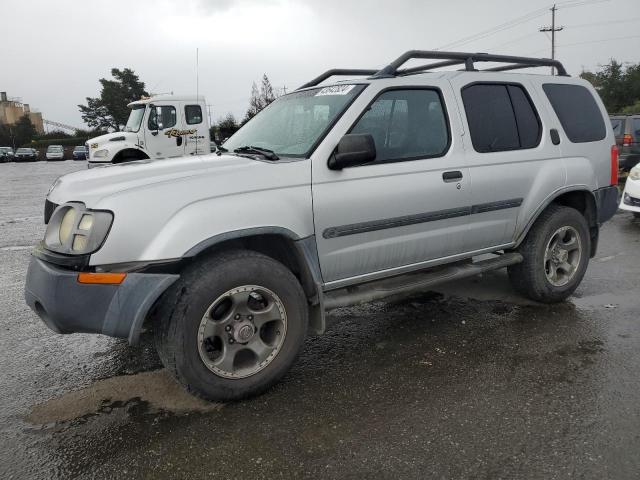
x,y
407,207
163,132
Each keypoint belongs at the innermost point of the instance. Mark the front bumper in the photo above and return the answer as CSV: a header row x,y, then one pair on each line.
x,y
631,197
67,306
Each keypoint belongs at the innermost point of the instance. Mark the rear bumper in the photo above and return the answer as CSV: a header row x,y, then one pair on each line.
x,y
607,202
67,306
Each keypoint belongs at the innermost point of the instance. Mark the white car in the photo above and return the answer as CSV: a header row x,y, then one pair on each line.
x,y
55,152
631,196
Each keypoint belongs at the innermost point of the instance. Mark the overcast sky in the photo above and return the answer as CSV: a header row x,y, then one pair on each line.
x,y
53,52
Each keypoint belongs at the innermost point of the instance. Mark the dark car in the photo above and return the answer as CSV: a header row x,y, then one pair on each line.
x,y
626,129
80,153
6,154
26,155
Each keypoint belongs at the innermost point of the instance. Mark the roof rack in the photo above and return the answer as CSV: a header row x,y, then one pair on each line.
x,y
446,59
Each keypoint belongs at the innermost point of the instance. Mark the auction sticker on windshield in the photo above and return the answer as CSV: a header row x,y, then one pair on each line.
x,y
335,90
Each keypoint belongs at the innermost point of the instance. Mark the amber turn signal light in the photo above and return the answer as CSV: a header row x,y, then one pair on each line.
x,y
102,278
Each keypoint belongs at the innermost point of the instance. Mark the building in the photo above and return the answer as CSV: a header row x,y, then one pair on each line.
x,y
11,110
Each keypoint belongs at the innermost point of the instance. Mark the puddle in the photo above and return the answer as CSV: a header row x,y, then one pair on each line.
x,y
606,300
156,389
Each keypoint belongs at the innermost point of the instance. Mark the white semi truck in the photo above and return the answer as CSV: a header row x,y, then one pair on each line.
x,y
159,127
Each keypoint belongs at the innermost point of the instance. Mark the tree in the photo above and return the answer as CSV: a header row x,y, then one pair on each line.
x,y
227,126
109,110
24,131
259,98
618,87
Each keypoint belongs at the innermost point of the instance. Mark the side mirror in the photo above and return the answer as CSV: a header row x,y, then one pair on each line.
x,y
353,149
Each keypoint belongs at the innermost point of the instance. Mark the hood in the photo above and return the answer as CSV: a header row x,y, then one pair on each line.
x,y
92,185
114,136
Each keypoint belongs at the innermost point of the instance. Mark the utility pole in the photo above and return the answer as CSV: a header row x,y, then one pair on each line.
x,y
553,31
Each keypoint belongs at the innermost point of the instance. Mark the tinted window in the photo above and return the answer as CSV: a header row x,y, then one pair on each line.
x,y
500,117
635,128
193,113
406,124
161,117
618,126
577,111
529,129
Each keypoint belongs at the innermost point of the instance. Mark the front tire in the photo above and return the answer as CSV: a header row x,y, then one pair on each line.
x,y
556,255
232,325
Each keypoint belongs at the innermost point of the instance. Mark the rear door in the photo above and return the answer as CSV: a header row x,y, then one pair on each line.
x,y
513,163
409,205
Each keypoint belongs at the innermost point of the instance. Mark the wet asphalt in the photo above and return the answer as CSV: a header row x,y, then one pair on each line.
x,y
469,381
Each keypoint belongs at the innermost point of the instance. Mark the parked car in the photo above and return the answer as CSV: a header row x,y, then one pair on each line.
x,y
631,196
6,154
627,131
26,155
55,152
333,195
80,153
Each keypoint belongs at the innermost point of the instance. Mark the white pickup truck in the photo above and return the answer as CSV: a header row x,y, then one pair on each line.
x,y
159,127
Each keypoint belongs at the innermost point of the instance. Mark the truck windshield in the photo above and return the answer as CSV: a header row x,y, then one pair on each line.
x,y
135,119
292,124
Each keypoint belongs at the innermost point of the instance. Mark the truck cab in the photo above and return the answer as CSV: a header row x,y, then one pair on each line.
x,y
159,127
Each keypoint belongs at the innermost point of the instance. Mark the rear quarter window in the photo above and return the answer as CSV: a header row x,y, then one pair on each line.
x,y
577,111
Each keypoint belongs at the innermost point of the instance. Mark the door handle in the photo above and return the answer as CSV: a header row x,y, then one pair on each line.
x,y
452,176
179,141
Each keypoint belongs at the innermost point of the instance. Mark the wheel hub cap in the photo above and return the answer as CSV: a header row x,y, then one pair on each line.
x,y
243,332
562,256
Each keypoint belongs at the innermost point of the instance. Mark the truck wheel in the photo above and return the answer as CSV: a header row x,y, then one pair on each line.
x,y
232,325
556,254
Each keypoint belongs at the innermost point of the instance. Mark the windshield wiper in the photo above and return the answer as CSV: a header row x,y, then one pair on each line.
x,y
265,152
220,150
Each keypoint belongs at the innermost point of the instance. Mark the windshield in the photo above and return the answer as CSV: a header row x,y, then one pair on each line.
x,y
292,124
54,148
135,119
617,124
24,150
78,149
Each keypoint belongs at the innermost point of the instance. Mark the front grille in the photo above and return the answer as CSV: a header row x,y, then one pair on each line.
x,y
632,201
49,207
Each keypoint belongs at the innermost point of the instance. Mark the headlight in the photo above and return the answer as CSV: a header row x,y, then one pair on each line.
x,y
634,174
75,230
101,153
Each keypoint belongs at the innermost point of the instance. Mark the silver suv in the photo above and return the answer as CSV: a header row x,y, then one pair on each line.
x,y
333,195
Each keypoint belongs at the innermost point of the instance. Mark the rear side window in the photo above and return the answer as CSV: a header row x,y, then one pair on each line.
x,y
406,125
193,114
577,111
501,117
618,126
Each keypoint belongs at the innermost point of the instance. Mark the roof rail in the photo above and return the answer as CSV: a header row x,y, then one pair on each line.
x,y
337,72
468,59
447,59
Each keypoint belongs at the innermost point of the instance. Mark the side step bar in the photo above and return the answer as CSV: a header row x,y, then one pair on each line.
x,y
407,284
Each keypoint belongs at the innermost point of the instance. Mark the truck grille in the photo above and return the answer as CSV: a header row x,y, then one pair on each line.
x,y
49,207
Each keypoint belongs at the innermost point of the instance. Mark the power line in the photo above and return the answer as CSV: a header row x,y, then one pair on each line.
x,y
598,41
553,29
606,22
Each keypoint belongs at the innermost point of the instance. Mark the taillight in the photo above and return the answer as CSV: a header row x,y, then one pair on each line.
x,y
614,165
627,140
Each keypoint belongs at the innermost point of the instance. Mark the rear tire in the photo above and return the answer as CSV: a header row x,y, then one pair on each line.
x,y
232,325
556,254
